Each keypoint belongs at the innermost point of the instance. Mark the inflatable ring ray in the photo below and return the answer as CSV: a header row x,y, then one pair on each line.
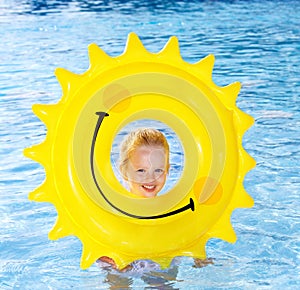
x,y
76,154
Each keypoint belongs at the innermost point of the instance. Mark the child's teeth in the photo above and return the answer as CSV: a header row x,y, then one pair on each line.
x,y
149,186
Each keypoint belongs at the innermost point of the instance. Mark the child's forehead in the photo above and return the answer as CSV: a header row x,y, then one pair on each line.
x,y
148,153
148,157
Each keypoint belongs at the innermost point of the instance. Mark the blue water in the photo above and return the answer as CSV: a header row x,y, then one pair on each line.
x,y
254,42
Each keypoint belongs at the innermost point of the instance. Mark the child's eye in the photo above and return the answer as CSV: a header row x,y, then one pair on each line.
x,y
141,171
159,170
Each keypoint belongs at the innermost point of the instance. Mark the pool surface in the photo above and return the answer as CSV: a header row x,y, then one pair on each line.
x,y
254,42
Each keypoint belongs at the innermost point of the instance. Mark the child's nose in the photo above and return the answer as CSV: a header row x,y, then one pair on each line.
x,y
150,176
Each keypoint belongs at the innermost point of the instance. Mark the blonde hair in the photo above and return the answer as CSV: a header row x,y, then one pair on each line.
x,y
141,137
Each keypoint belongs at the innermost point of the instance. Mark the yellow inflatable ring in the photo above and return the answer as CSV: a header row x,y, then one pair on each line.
x,y
76,154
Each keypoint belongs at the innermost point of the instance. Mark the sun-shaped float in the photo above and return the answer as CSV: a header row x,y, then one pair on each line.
x,y
76,154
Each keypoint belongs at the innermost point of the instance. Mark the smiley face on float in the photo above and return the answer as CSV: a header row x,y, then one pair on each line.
x,y
80,181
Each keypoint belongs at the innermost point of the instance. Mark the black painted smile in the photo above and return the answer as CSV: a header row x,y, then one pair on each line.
x,y
190,205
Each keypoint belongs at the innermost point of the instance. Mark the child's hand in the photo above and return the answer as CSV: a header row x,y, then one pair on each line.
x,y
202,263
109,261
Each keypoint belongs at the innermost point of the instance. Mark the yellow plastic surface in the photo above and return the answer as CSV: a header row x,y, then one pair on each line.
x,y
76,154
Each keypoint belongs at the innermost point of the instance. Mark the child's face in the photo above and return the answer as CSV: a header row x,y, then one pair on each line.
x,y
147,170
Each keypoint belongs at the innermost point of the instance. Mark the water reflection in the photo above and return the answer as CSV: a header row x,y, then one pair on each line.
x,y
149,272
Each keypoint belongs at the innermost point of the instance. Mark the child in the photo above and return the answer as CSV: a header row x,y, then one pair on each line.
x,y
144,161
144,165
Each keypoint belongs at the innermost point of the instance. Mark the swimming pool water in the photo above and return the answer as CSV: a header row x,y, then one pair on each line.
x,y
254,42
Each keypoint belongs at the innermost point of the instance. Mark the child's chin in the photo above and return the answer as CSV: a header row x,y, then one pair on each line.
x,y
149,194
